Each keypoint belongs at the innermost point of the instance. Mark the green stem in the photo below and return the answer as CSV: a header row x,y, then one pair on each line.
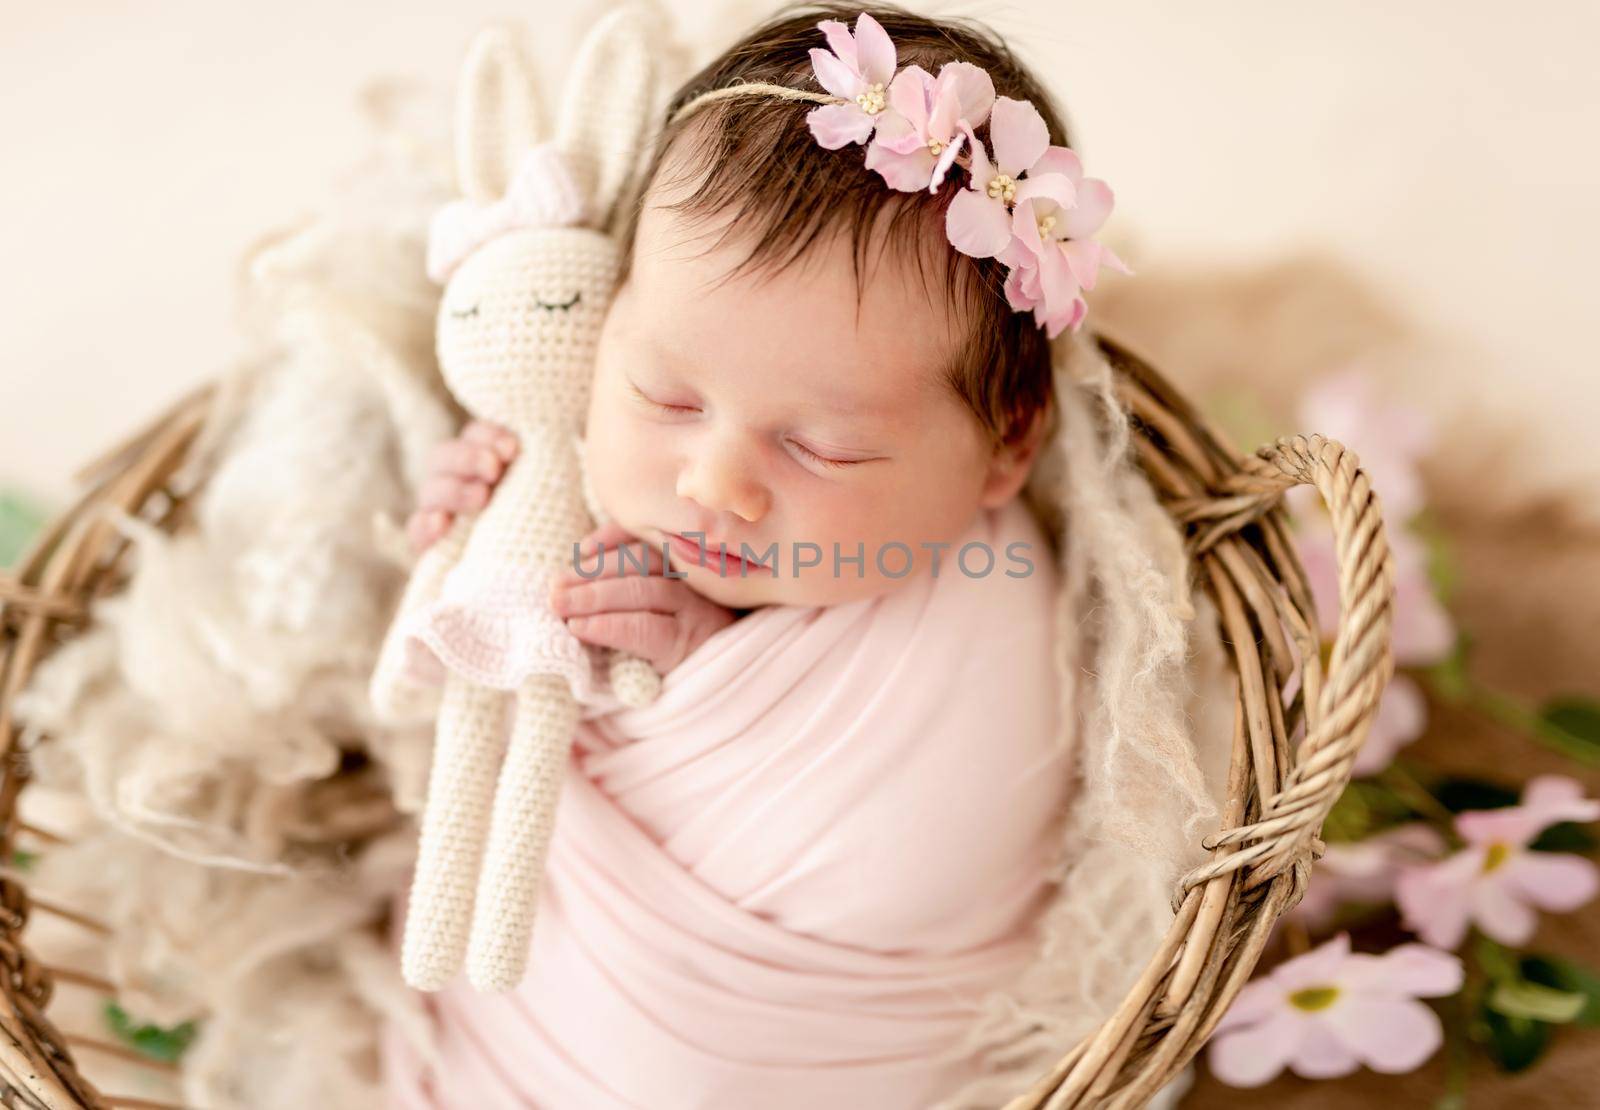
x,y
1453,684
1458,1052
1515,714
1398,779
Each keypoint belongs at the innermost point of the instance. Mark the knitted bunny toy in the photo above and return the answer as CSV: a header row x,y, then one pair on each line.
x,y
530,271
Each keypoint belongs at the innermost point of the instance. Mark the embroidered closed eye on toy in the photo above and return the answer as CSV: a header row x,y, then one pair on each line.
x,y
529,270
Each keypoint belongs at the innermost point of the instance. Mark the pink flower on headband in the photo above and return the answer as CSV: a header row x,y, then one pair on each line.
x,y
542,193
926,123
978,220
859,70
1050,253
1031,208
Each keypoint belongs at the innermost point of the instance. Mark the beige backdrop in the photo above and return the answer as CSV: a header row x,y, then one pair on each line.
x,y
1442,149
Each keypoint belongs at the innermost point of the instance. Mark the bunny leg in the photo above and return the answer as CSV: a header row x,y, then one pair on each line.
x,y
633,680
397,697
455,822
524,818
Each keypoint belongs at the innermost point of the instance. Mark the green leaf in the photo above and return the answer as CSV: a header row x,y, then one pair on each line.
x,y
1514,1043
1365,807
1563,974
150,1040
1568,836
1499,963
20,518
1460,794
23,860
1537,1001
1575,723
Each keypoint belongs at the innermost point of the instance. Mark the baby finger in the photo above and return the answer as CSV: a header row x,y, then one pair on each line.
x,y
488,434
651,636
453,495
610,595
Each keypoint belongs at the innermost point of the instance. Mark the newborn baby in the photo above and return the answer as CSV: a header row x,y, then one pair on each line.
x,y
790,880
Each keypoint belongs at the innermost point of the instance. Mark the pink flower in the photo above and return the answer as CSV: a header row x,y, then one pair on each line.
x,y
1364,871
1051,256
1496,880
858,69
1389,438
1329,1011
978,221
927,122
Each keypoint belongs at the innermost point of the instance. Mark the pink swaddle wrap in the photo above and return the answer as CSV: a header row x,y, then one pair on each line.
x,y
788,882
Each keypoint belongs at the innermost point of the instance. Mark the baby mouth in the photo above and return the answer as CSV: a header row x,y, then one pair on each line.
x,y
712,556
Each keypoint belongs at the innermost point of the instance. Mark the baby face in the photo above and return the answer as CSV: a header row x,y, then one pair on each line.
x,y
769,410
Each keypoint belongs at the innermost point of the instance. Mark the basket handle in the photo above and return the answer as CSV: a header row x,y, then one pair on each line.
x,y
1340,705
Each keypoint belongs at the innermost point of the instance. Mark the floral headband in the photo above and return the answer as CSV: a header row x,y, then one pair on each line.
x,y
1030,206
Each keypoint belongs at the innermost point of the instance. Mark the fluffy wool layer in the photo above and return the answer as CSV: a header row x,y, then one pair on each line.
x,y
1147,712
240,816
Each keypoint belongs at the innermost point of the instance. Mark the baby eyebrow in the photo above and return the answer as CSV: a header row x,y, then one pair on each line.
x,y
852,406
831,403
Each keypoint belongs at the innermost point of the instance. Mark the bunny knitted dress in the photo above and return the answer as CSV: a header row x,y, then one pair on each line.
x,y
787,882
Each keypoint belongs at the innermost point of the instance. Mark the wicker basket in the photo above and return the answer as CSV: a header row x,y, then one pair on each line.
x,y
1260,862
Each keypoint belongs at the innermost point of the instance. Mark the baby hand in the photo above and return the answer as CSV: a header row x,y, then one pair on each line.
x,y
659,619
462,472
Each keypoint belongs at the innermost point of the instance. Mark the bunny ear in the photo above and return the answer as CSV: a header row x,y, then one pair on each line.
x,y
611,101
497,112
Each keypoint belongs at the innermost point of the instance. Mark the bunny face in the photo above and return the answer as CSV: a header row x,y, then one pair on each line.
x,y
519,323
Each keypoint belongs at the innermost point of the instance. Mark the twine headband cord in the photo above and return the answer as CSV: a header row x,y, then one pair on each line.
x,y
779,92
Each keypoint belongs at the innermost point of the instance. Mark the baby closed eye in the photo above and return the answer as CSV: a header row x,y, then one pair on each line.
x,y
822,460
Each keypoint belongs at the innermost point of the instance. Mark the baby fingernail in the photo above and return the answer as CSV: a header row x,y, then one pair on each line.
x,y
506,445
488,466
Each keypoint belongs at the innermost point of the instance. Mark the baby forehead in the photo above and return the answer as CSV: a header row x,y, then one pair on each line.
x,y
880,304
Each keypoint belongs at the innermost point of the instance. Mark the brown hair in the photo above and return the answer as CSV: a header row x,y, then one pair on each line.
x,y
760,162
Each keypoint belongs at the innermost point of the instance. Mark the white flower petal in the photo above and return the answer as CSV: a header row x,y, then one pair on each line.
x,y
1409,969
1322,1053
1250,1057
839,125
1555,881
875,53
834,75
1500,913
1019,135
1390,1035
977,224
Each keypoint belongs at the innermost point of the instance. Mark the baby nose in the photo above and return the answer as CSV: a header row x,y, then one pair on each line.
x,y
722,484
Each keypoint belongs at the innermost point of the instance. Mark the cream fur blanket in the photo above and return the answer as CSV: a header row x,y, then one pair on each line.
x,y
243,821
